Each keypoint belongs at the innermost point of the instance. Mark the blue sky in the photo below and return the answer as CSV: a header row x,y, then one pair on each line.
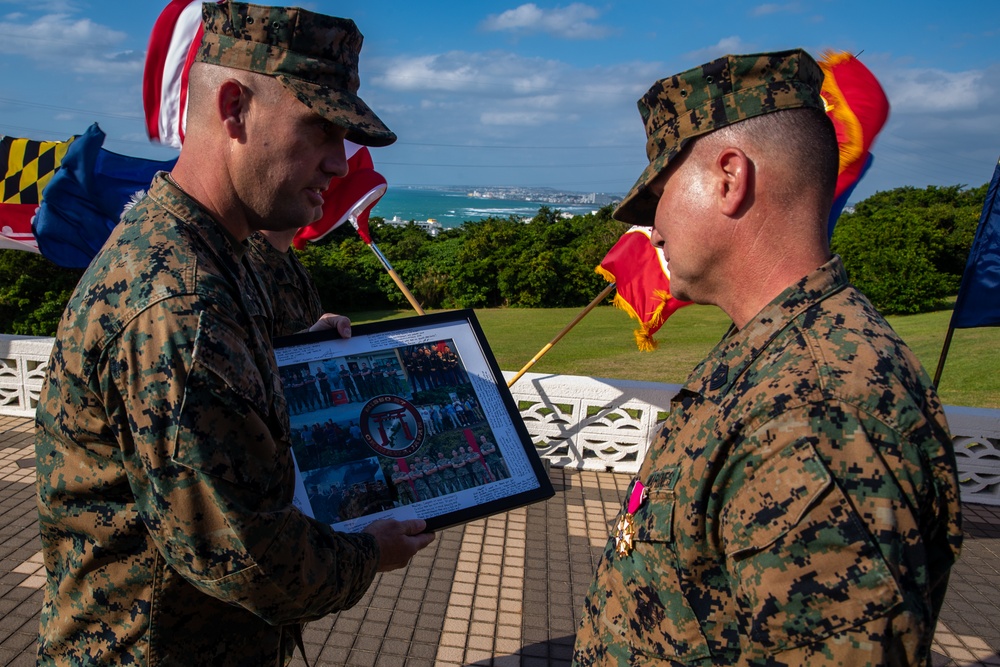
x,y
543,94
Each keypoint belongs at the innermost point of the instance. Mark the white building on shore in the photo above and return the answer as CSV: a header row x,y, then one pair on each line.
x,y
431,226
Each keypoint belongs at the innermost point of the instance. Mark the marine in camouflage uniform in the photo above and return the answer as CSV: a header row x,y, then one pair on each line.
x,y
401,480
423,490
800,505
477,466
291,293
447,471
165,488
461,467
164,469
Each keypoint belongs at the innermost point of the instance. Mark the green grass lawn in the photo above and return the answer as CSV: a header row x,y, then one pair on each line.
x,y
602,345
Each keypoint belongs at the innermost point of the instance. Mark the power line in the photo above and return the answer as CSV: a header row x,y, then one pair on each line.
x,y
74,110
140,118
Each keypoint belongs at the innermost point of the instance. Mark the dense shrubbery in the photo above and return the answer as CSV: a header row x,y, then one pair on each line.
x,y
33,293
905,248
546,262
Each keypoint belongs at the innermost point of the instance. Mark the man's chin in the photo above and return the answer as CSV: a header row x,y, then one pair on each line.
x,y
679,291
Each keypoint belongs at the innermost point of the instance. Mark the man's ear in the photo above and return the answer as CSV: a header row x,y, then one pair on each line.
x,y
232,102
736,171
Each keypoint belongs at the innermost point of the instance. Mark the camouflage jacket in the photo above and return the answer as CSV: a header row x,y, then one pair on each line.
x,y
165,478
801,502
291,294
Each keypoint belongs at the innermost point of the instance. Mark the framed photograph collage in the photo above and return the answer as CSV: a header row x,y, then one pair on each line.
x,y
406,418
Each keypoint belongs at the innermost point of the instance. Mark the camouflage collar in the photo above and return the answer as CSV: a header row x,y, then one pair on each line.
x,y
187,209
714,376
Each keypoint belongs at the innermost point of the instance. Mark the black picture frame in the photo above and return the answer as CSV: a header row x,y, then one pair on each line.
x,y
407,418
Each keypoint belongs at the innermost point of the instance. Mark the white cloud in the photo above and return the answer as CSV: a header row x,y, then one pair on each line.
x,y
499,99
506,76
724,46
934,91
571,22
76,45
46,6
492,74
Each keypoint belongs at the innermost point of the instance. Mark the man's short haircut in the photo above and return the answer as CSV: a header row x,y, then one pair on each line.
x,y
803,138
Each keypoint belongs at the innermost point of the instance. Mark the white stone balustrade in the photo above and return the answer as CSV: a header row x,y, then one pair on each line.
x,y
578,422
23,360
598,424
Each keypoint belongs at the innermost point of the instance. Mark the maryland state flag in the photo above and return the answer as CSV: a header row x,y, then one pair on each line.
x,y
642,284
28,166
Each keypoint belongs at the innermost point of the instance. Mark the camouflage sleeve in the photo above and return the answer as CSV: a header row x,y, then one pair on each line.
x,y
810,580
210,481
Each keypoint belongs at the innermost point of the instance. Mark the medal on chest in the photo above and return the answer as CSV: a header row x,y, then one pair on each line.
x,y
625,528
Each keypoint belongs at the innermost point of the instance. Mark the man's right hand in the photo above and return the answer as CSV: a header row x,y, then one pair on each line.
x,y
398,541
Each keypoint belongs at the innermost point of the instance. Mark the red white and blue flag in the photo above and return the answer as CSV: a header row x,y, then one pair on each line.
x,y
172,46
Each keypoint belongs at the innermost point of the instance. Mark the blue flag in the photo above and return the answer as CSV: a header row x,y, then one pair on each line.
x,y
978,303
85,198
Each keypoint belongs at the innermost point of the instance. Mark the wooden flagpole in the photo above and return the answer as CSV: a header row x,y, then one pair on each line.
x,y
396,279
593,304
360,206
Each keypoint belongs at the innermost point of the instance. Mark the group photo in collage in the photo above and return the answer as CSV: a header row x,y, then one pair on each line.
x,y
380,430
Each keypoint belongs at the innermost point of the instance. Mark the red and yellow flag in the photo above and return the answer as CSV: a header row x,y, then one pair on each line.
x,y
858,108
642,284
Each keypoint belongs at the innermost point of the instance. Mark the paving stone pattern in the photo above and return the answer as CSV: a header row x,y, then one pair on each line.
x,y
504,591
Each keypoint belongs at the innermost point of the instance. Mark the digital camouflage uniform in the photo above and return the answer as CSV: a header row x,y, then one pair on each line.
x,y
447,471
291,293
802,506
165,478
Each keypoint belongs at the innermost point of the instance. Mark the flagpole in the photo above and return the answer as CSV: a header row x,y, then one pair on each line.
x,y
395,277
385,263
593,304
944,355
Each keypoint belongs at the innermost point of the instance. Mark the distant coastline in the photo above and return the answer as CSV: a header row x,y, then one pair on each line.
x,y
451,206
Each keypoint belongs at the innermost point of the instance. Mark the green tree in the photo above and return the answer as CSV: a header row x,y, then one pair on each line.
x,y
346,272
891,256
488,248
33,293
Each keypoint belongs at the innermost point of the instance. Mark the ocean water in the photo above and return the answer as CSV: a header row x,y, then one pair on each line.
x,y
451,209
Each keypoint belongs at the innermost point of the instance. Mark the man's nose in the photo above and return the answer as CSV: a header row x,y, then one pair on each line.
x,y
335,162
655,239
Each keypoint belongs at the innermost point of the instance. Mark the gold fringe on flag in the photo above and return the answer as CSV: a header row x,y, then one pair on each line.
x,y
644,334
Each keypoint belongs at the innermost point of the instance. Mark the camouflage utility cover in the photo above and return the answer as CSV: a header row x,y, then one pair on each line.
x,y
315,56
703,99
165,477
291,294
802,504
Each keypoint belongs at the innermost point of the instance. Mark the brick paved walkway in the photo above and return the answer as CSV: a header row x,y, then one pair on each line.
x,y
506,590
